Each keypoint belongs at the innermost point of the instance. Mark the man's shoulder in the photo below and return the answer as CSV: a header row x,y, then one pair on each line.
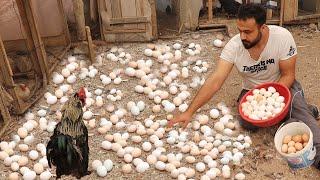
x,y
278,30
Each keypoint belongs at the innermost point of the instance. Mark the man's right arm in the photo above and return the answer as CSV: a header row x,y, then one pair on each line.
x,y
208,89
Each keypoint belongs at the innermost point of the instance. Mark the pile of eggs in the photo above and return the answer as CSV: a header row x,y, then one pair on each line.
x,y
293,144
263,104
141,143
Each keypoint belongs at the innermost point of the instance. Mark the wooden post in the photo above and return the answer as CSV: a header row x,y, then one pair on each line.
x,y
269,14
153,5
65,23
33,40
90,47
80,20
210,11
4,113
281,12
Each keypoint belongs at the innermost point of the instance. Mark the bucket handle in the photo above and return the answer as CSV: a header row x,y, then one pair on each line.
x,y
301,92
285,124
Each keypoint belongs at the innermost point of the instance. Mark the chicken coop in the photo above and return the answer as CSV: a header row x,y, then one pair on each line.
x,y
34,37
145,20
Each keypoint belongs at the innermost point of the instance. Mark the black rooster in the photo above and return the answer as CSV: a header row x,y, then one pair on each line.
x,y
230,6
68,147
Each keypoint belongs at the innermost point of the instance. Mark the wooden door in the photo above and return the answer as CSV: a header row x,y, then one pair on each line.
x,y
127,20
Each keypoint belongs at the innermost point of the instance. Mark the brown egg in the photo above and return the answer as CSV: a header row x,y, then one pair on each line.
x,y
291,150
291,143
297,138
305,137
196,137
305,144
287,139
163,158
204,152
284,148
298,146
176,163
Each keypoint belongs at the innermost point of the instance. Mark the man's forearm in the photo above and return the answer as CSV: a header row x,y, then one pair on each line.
x,y
286,80
209,88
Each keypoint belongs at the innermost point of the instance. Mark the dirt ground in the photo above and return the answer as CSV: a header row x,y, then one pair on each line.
x,y
261,161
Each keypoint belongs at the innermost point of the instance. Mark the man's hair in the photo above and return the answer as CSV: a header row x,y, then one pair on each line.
x,y
247,11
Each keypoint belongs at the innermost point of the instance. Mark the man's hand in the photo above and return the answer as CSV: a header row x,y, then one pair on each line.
x,y
183,118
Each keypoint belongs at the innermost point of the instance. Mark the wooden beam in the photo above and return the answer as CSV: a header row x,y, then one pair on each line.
x,y
79,17
304,17
90,46
128,20
33,40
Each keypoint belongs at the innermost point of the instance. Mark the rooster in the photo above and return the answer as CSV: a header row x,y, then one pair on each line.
x,y
68,147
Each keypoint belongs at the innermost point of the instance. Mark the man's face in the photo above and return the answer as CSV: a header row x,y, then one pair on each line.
x,y
250,32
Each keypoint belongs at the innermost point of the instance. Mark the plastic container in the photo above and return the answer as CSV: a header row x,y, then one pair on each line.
x,y
300,159
283,91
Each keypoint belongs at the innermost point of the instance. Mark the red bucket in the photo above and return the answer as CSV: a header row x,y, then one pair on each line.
x,y
283,91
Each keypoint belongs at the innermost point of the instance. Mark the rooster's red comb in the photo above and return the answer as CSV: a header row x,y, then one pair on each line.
x,y
82,92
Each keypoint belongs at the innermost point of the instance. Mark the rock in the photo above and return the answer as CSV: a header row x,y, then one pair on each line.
x,y
313,26
195,36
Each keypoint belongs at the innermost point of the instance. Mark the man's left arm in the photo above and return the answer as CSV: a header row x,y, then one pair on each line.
x,y
287,70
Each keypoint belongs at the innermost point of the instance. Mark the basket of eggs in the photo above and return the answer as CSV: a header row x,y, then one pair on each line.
x,y
265,105
294,141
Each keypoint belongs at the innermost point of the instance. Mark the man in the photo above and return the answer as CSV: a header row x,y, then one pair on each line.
x,y
261,54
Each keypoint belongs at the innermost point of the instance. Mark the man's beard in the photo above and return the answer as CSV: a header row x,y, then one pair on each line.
x,y
249,45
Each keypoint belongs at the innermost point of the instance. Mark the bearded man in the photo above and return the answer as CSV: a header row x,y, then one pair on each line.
x,y
261,53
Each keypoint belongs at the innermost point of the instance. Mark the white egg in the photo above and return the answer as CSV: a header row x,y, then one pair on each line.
x,y
14,166
33,155
57,78
108,164
102,171
7,161
200,166
43,121
29,175
44,162
46,175
135,110
160,165
218,43
65,72
29,140
224,160
169,107
106,145
71,67
87,115
141,105
177,46
42,113
23,170
146,146
227,132
142,167
71,79
148,52
52,100
95,164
